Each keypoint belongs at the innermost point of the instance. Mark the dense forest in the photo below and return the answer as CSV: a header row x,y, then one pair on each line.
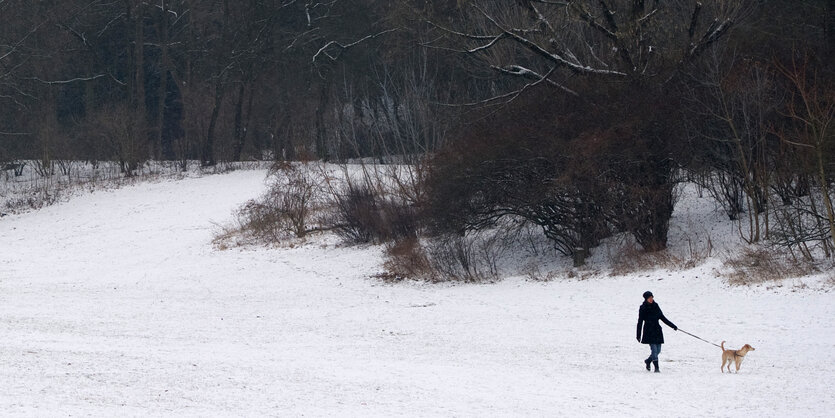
x,y
579,117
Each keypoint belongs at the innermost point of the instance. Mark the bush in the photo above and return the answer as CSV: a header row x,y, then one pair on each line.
x,y
365,212
470,258
288,208
357,214
406,258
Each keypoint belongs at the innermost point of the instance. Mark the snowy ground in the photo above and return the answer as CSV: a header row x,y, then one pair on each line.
x,y
116,304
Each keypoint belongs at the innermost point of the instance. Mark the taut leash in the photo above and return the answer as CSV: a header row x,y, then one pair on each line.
x,y
700,338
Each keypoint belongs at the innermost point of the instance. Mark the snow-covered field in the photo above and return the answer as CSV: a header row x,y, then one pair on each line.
x,y
116,304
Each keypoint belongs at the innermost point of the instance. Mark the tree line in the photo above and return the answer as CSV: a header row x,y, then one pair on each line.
x,y
579,117
219,80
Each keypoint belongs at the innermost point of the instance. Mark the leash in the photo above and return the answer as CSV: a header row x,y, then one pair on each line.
x,y
700,338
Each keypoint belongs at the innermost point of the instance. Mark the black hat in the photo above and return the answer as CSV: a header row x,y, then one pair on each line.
x,y
647,295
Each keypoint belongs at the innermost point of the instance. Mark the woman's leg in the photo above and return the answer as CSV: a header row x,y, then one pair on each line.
x,y
655,350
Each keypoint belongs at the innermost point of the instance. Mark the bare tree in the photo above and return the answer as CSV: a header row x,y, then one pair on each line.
x,y
734,103
545,42
812,112
118,130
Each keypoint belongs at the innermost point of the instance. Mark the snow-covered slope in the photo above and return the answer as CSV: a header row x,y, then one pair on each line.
x,y
116,304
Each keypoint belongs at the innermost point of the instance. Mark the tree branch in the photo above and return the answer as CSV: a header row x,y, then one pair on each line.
x,y
341,47
555,58
520,71
72,80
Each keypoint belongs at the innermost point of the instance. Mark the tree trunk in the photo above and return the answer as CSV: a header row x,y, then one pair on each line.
x,y
164,150
830,25
139,74
321,133
240,130
830,211
209,147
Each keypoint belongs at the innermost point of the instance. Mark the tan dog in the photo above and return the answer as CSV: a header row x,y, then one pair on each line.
x,y
734,355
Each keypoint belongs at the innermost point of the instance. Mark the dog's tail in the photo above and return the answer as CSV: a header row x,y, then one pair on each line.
x,y
723,346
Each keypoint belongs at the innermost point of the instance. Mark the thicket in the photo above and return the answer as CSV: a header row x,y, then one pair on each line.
x,y
594,144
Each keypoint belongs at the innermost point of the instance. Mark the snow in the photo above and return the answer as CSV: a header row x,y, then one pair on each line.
x,y
115,303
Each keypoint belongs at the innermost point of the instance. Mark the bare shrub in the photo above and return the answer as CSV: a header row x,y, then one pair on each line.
x,y
697,254
406,258
294,198
289,209
374,208
759,264
470,258
16,167
467,258
532,271
356,212
120,130
726,189
67,166
35,191
45,167
38,198
261,222
802,227
631,258
830,281
227,237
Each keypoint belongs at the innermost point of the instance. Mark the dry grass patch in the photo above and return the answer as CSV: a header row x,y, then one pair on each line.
x,y
406,259
758,264
631,258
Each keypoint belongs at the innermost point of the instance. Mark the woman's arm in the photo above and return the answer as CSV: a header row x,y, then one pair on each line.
x,y
667,321
640,325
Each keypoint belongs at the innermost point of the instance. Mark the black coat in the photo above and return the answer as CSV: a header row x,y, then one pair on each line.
x,y
648,316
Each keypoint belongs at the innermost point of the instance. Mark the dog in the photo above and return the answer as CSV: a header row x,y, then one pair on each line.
x,y
734,356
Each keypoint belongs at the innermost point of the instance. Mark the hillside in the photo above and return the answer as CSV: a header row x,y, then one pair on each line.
x,y
116,303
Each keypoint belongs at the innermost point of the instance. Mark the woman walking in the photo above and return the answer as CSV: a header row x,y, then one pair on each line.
x,y
648,316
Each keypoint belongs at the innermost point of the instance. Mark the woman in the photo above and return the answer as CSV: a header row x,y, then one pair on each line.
x,y
648,316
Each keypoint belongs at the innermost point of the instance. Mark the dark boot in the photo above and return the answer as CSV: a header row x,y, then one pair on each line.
x,y
647,362
655,363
